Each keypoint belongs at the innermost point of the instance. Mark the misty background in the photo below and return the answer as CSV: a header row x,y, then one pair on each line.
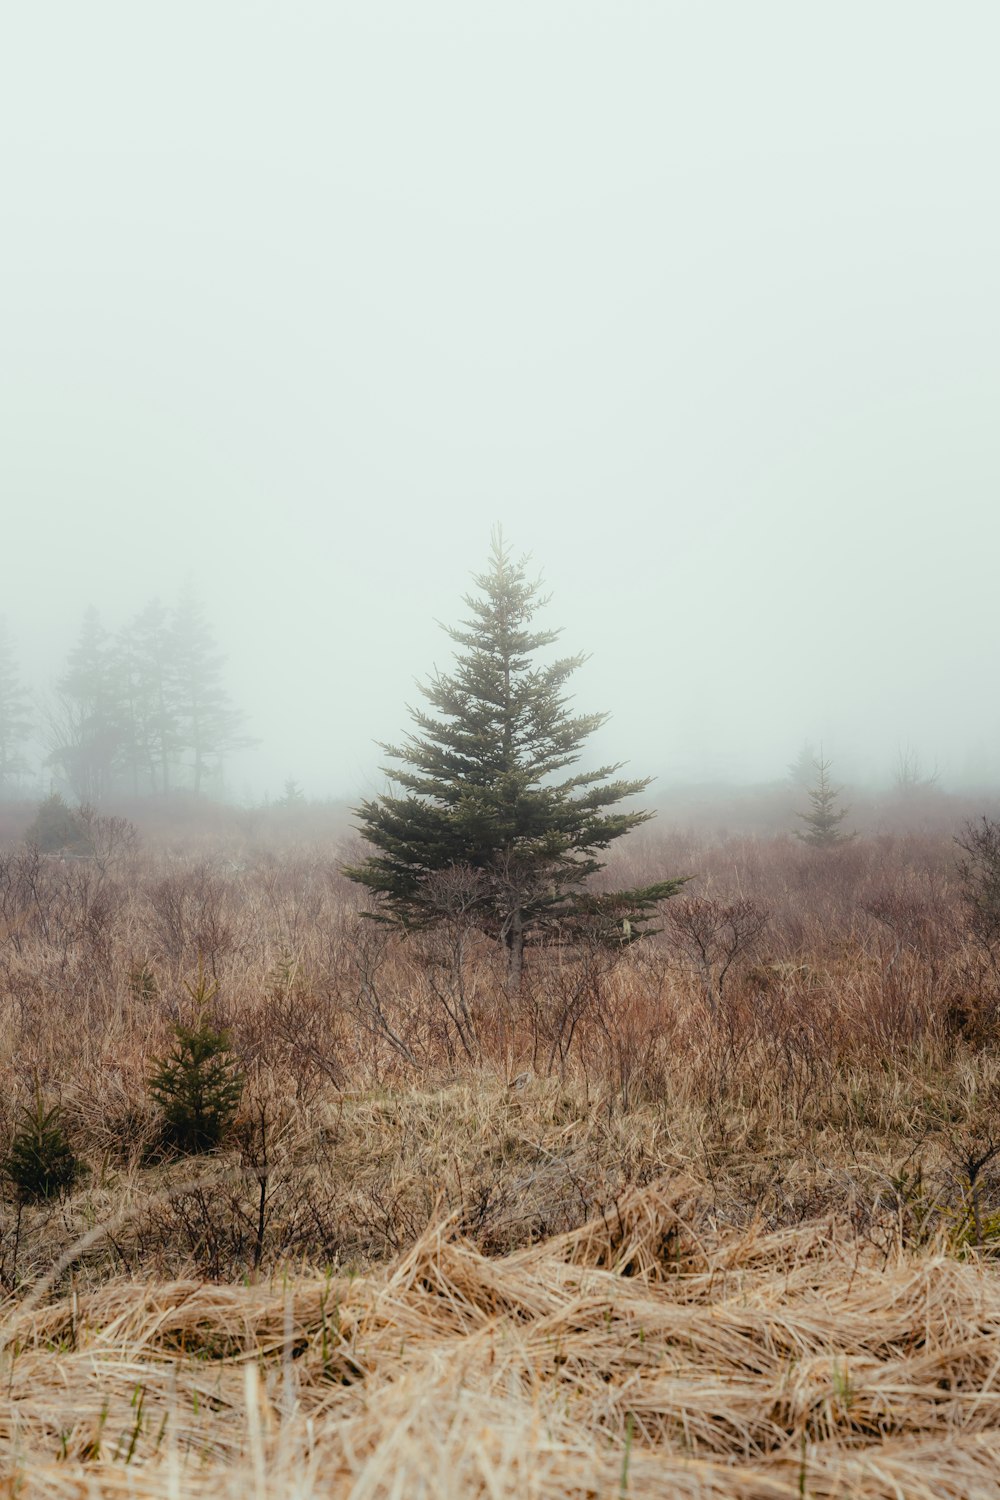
x,y
699,300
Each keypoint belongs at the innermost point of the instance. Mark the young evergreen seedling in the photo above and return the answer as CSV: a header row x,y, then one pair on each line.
x,y
198,1085
42,1162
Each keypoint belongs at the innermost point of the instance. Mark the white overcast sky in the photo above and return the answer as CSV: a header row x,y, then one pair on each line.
x,y
699,299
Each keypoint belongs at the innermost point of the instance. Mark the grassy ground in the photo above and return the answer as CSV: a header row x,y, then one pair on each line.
x,y
716,1215
641,1355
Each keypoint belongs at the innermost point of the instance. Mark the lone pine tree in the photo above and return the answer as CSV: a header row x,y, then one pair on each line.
x,y
483,789
824,817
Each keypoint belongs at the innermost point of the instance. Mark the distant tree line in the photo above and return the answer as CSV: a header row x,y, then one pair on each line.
x,y
138,712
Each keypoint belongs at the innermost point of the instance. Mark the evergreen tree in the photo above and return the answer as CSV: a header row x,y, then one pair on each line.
x,y
42,1162
824,817
483,787
134,751
198,1084
88,725
205,724
15,720
803,768
56,826
150,697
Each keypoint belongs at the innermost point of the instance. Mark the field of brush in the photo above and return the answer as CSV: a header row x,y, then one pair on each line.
x,y
712,1215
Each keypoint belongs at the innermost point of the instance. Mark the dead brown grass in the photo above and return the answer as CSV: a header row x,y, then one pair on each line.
x,y
678,1221
639,1355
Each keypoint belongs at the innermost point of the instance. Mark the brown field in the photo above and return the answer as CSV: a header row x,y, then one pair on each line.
x,y
713,1215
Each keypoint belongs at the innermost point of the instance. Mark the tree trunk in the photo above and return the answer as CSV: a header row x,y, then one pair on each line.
x,y
515,953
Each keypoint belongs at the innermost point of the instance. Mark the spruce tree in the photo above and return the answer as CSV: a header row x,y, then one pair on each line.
x,y
41,1162
483,786
824,817
15,720
150,694
56,827
88,725
802,770
198,1085
205,724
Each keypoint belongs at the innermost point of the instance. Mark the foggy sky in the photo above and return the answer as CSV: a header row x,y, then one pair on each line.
x,y
699,299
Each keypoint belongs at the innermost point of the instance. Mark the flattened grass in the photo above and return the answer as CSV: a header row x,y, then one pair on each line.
x,y
643,1354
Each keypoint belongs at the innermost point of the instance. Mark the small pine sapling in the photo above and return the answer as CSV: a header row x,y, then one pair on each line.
x,y
41,1162
198,1085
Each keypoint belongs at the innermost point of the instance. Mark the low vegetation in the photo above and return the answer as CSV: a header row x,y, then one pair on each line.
x,y
643,1354
714,1213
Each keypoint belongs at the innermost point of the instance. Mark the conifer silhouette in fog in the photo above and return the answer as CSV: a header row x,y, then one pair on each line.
x,y
483,788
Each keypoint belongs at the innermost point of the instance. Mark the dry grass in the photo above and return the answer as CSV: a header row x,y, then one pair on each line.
x,y
723,1238
639,1355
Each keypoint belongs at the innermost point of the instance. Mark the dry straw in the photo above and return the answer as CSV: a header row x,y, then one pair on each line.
x,y
627,1358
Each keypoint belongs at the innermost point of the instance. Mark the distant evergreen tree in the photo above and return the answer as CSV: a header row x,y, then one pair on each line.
x,y
134,753
150,696
204,723
88,725
803,768
15,717
484,789
56,826
824,817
